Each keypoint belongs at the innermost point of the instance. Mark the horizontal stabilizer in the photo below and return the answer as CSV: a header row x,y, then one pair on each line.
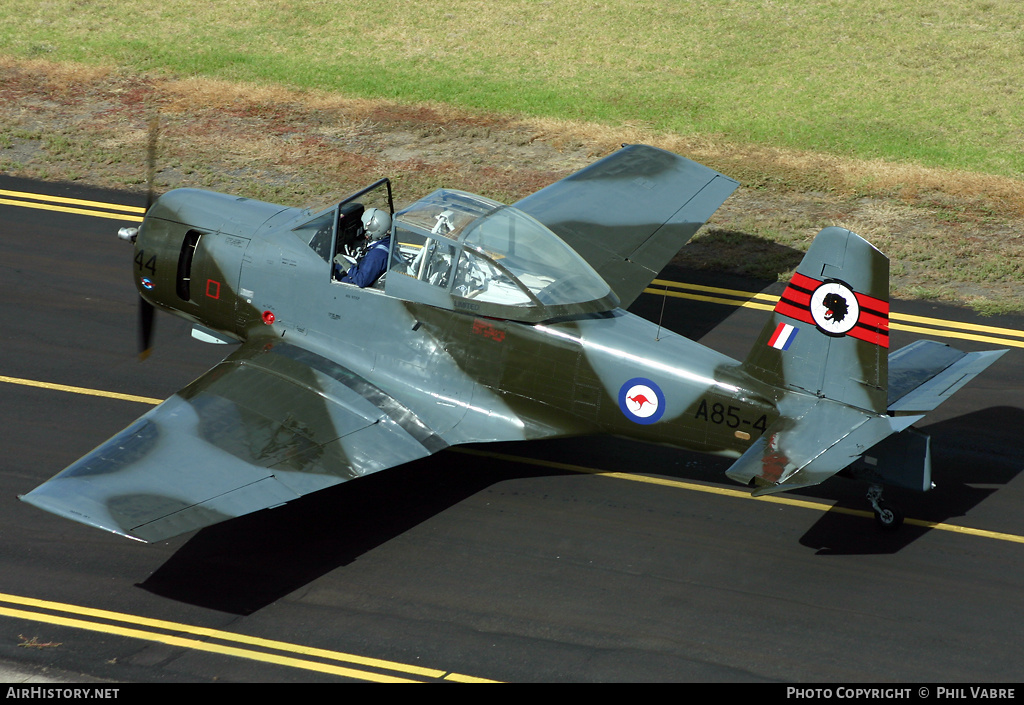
x,y
807,446
924,374
816,438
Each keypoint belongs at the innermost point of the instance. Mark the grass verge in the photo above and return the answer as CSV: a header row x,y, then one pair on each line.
x,y
951,235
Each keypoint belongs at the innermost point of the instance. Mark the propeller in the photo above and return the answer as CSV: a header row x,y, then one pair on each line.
x,y
146,317
146,310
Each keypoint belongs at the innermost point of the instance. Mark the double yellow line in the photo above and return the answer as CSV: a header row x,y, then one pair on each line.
x,y
695,292
898,321
78,206
225,643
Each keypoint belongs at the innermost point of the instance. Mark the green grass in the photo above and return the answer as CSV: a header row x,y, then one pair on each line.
x,y
934,82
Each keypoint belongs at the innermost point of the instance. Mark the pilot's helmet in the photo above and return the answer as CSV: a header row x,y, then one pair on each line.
x,y
376,223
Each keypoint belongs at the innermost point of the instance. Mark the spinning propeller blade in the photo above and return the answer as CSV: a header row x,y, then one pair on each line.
x,y
146,310
146,317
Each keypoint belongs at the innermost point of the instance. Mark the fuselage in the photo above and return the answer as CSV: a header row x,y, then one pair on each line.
x,y
235,268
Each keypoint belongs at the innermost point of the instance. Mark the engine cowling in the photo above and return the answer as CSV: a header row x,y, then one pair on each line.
x,y
189,253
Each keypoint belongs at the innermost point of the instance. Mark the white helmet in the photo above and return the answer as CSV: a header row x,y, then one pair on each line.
x,y
376,223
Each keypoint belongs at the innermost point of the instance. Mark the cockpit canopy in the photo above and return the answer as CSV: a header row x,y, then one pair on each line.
x,y
465,252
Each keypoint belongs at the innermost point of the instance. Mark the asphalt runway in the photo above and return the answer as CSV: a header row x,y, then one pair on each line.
x,y
513,562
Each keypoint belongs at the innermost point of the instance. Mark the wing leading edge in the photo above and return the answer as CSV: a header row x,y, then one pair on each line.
x,y
629,214
267,425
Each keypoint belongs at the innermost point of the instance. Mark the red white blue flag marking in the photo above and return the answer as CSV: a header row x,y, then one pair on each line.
x,y
783,336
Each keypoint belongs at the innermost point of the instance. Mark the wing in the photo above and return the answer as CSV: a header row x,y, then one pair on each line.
x,y
269,424
629,213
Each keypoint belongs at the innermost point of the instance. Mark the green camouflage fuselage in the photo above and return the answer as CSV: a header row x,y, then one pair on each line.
x,y
470,377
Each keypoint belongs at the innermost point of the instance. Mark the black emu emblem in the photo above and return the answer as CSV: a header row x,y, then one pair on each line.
x,y
837,307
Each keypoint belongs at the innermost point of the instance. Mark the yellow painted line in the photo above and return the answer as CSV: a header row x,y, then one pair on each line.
x,y
717,290
201,646
737,494
62,204
712,299
66,209
958,324
136,633
71,201
959,336
79,390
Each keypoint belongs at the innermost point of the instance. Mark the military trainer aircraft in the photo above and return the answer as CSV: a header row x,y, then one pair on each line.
x,y
494,323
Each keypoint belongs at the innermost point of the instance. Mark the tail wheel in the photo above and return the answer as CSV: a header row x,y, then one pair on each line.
x,y
889,518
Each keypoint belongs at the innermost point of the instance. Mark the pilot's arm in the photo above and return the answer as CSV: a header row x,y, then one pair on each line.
x,y
368,269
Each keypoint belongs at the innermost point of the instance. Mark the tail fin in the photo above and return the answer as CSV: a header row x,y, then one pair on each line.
x,y
828,341
829,333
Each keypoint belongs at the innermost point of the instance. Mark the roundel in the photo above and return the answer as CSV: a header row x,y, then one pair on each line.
x,y
834,308
641,400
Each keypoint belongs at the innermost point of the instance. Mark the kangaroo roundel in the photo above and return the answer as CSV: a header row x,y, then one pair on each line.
x,y
641,400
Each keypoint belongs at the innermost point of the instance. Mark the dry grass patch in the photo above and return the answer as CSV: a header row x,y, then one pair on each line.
x,y
951,235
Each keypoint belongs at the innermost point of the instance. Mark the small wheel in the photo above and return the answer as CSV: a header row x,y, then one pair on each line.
x,y
888,517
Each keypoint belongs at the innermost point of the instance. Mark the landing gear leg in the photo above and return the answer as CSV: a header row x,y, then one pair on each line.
x,y
889,518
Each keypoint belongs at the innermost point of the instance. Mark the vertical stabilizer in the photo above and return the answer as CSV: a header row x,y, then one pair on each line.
x,y
829,333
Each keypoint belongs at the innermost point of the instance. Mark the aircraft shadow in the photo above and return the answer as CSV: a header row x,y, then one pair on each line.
x,y
980,448
723,252
244,564
724,259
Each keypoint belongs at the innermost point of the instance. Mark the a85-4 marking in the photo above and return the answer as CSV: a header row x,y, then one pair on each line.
x,y
728,415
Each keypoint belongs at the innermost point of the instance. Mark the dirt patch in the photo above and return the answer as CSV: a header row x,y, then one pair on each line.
x,y
950,236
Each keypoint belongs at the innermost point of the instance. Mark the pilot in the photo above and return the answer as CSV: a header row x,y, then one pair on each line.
x,y
370,267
